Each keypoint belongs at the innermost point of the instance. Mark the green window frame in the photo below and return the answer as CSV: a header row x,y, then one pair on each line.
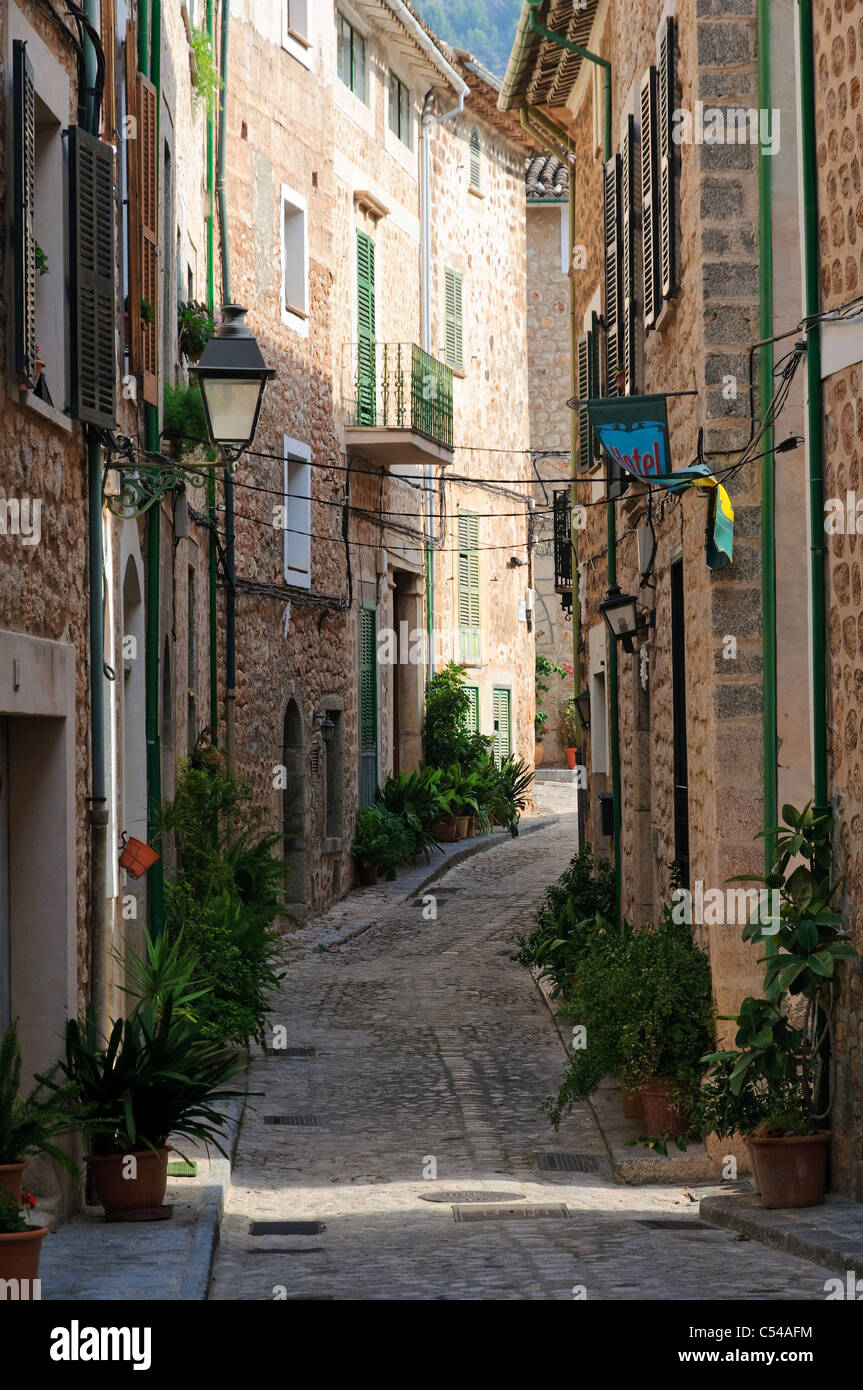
x,y
468,588
351,63
454,316
472,717
400,115
366,383
475,161
368,642
502,703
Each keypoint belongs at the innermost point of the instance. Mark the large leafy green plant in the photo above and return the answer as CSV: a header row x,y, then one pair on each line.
x,y
28,1124
777,1064
155,1077
564,921
446,736
381,838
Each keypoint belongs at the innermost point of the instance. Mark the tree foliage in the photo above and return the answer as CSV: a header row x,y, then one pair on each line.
x,y
485,27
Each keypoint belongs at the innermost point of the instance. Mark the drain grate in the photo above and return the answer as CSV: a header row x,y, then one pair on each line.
x,y
567,1163
290,1250
306,1120
286,1228
477,1195
491,1213
680,1223
290,1051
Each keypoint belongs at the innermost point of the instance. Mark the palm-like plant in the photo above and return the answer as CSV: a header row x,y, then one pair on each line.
x,y
29,1123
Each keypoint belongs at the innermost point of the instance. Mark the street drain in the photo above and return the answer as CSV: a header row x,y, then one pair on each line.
x,y
471,1196
290,1250
290,1051
286,1228
290,1120
680,1223
567,1163
507,1213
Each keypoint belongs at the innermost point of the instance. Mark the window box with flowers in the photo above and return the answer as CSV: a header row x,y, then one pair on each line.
x,y
195,328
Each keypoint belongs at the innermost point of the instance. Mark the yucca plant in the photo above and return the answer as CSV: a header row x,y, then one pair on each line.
x,y
29,1123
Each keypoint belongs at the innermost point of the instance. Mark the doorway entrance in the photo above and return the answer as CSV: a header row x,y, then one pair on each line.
x,y
294,806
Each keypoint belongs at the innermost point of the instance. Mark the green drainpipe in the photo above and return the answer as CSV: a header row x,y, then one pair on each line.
x,y
149,61
230,591
611,519
211,481
768,462
814,406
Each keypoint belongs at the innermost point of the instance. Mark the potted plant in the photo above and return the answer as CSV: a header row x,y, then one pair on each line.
x,y
463,789
28,1124
545,667
155,1077
146,313
540,726
381,841
570,727
415,798
195,327
20,1243
773,1087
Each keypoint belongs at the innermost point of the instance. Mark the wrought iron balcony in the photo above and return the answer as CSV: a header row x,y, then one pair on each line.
x,y
399,403
562,541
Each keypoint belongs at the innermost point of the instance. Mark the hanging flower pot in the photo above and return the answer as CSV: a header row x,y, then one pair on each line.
x,y
137,857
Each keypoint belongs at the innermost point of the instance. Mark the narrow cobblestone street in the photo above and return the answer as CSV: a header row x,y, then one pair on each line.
x,y
431,1044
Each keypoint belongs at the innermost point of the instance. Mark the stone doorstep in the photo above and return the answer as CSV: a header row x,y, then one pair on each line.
x,y
830,1235
638,1165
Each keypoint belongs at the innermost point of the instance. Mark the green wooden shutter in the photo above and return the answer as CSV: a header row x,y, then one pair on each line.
x,y
502,746
629,219
91,252
585,433
475,160
368,707
454,320
468,588
366,394
613,316
24,181
665,156
472,717
649,200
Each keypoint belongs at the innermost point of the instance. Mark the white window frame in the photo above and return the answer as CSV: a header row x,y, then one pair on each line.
x,y
300,44
298,321
298,485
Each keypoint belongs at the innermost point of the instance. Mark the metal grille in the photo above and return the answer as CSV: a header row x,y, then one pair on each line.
x,y
286,1228
290,1051
305,1121
567,1163
478,1195
562,541
509,1213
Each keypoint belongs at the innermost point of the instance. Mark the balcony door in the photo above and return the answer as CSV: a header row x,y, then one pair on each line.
x,y
366,393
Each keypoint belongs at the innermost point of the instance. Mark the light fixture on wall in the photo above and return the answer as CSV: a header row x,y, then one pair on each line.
x,y
232,376
326,725
622,617
582,704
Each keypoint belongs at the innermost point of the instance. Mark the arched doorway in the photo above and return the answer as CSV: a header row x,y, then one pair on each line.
x,y
294,807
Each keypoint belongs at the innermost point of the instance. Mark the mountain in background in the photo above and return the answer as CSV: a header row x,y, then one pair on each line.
x,y
485,27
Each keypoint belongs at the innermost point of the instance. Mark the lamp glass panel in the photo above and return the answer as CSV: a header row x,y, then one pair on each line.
x,y
622,619
232,406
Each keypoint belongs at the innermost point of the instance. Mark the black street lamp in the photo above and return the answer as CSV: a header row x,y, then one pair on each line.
x,y
327,725
582,704
620,612
232,376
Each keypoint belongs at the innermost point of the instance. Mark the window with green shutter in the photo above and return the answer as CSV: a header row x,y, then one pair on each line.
x,y
368,707
23,209
366,394
475,161
351,57
468,588
472,716
453,292
502,746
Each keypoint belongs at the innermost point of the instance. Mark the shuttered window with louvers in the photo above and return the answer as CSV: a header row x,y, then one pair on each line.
x,y
613,298
24,197
629,220
475,161
366,393
133,221
453,293
649,199
368,707
148,211
468,588
472,716
91,247
667,180
502,746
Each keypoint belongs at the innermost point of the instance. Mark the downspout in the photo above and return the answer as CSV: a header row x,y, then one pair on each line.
x,y
428,120
768,462
814,406
230,590
97,814
211,479
150,61
611,519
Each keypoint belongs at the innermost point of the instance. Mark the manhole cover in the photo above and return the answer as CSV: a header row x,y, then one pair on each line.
x,y
680,1223
472,1196
491,1213
568,1163
286,1228
290,1119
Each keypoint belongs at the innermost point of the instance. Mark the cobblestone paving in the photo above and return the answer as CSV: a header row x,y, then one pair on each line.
x,y
432,1046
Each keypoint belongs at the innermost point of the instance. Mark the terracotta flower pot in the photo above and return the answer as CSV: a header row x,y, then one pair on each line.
x,y
660,1116
791,1171
571,755
538,753
367,875
446,830
131,1199
11,1176
471,827
631,1104
137,857
461,826
19,1253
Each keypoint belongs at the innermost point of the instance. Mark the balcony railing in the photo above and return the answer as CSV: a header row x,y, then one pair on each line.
x,y
562,541
397,386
